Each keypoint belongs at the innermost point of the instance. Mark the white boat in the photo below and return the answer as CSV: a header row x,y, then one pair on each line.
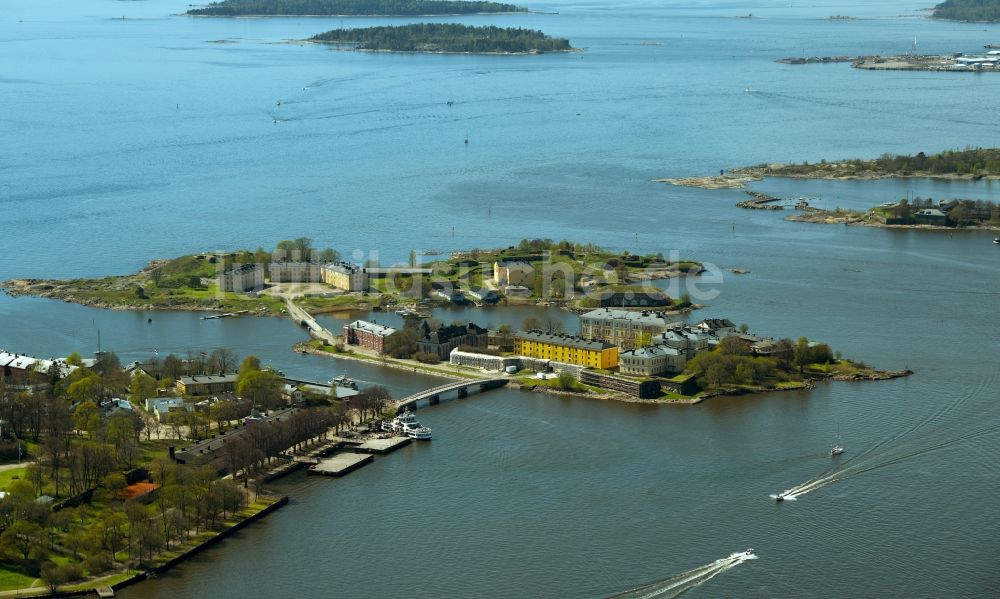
x,y
748,554
996,240
406,424
836,450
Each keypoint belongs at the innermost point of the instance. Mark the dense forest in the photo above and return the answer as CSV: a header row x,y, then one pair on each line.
x,y
971,161
235,8
445,37
968,10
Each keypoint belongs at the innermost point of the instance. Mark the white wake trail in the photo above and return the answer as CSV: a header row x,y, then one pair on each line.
x,y
679,584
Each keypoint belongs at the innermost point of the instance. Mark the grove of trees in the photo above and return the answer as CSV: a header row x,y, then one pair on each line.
x,y
445,37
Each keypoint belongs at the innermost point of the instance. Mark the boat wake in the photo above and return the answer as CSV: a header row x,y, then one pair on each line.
x,y
679,584
895,449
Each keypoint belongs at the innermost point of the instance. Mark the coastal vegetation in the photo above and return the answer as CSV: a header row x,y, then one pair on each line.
x,y
968,10
237,8
732,367
911,212
445,38
966,164
975,162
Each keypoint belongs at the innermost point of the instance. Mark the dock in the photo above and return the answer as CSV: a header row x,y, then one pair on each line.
x,y
383,446
340,464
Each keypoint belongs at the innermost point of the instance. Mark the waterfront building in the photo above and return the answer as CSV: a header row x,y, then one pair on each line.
x,y
720,327
368,335
484,361
624,328
450,295
295,272
931,216
513,273
242,278
566,348
19,368
346,276
207,384
516,291
447,338
652,361
634,299
486,296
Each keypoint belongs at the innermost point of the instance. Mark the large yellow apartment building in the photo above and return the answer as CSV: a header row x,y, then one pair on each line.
x,y
564,348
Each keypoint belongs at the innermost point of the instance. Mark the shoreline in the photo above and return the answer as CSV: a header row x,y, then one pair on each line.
x,y
368,16
739,178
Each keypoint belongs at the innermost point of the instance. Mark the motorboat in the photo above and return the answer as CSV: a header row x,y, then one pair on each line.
x,y
748,554
996,240
836,450
406,424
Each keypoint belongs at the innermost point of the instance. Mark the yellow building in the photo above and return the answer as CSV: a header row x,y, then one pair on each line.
x,y
564,348
346,276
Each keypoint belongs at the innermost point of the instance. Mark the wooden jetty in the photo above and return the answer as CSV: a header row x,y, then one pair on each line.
x,y
383,446
340,464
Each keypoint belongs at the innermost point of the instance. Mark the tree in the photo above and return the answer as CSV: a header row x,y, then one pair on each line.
x,y
221,360
121,433
261,387
801,354
88,388
74,359
250,364
87,417
23,536
329,255
142,386
173,367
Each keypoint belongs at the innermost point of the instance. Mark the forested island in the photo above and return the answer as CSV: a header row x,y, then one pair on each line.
x,y
968,10
445,38
276,8
968,164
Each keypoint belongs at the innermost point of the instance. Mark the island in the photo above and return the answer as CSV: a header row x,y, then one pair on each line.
x,y
968,10
971,164
381,8
614,354
444,38
954,62
576,276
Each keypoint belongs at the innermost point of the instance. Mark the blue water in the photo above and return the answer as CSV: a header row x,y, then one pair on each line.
x,y
126,140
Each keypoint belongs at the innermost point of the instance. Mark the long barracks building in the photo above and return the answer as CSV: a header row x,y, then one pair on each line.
x,y
565,348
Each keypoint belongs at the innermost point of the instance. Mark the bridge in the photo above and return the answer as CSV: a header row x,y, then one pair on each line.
x,y
303,318
433,396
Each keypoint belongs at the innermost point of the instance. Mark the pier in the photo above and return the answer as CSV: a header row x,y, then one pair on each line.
x,y
432,397
341,464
